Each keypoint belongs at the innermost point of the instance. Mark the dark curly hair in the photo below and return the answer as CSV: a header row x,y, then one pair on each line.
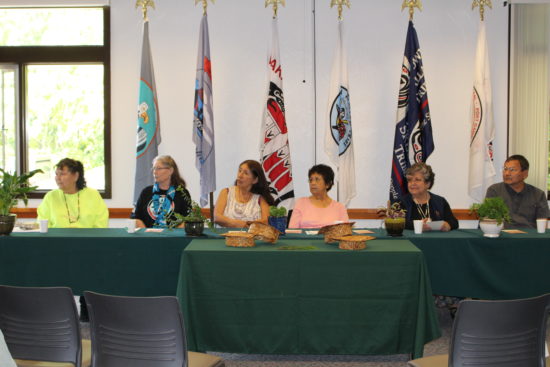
x,y
325,171
74,166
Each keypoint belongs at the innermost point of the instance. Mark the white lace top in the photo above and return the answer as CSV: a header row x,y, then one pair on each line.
x,y
250,210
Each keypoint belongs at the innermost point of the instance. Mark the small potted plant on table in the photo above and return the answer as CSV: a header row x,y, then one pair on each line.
x,y
193,222
12,188
277,218
492,214
394,218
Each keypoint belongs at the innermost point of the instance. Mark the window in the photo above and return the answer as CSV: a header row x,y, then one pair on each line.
x,y
55,92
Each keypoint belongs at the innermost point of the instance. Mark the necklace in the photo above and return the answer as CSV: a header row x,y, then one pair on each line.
x,y
72,219
241,198
424,214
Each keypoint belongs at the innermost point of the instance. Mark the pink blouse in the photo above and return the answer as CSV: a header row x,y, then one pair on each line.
x,y
306,215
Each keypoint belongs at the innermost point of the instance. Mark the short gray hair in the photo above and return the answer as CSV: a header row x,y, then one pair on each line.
x,y
425,170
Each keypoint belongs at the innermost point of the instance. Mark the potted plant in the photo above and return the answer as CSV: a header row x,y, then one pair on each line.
x,y
193,221
394,218
12,188
492,214
277,218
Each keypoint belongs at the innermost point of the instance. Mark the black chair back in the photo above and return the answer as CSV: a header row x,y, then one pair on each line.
x,y
41,324
507,333
136,331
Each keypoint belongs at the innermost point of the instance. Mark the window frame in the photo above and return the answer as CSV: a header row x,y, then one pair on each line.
x,y
21,56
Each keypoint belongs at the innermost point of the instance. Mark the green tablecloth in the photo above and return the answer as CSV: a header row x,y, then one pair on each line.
x,y
321,301
461,263
464,263
102,260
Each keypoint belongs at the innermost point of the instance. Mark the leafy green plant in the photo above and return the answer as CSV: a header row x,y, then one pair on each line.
x,y
277,212
194,215
392,211
492,208
14,187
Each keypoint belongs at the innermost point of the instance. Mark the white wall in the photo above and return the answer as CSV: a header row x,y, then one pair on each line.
x,y
239,30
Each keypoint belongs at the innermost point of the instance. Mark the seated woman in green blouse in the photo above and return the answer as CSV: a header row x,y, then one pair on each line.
x,y
73,205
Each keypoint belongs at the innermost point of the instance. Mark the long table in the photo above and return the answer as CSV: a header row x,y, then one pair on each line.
x,y
318,300
460,263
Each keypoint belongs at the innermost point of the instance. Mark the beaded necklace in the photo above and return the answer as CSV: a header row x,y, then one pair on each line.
x,y
424,214
71,218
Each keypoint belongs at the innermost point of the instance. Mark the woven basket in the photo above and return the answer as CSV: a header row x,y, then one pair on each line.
x,y
336,230
353,242
264,232
239,239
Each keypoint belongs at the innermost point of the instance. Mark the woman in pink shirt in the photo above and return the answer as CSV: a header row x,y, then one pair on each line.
x,y
319,209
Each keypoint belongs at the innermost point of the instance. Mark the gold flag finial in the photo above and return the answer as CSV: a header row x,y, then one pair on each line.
x,y
411,4
275,4
340,3
482,4
204,4
144,4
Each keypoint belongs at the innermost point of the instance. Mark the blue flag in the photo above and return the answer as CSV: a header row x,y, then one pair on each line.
x,y
148,122
203,120
413,132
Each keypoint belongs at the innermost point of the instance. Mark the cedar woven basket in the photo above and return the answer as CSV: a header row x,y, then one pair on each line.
x,y
264,232
239,239
336,230
353,242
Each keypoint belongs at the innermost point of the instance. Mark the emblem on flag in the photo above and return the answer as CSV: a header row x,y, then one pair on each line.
x,y
274,148
340,121
147,118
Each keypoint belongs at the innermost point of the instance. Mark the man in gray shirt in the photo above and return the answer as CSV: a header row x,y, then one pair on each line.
x,y
525,202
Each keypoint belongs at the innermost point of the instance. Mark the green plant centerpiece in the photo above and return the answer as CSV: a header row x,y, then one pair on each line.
x,y
193,222
277,218
13,188
394,218
492,214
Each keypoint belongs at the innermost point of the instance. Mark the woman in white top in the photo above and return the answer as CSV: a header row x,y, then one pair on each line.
x,y
246,202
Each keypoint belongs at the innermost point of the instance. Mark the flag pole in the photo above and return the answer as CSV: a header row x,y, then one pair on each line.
x,y
339,4
203,121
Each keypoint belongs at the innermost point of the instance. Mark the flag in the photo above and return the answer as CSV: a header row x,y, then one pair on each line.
x,y
148,121
482,171
274,149
338,136
203,121
413,140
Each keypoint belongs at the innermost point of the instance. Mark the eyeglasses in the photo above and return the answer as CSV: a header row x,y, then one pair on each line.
x,y
510,169
158,168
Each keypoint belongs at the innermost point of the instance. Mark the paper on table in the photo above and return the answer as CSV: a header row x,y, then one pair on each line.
x,y
154,230
293,231
19,229
362,231
515,231
435,226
